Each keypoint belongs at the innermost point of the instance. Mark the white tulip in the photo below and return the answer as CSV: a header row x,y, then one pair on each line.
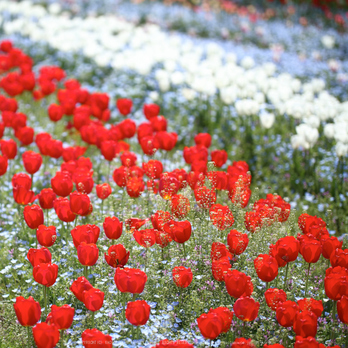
x,y
267,120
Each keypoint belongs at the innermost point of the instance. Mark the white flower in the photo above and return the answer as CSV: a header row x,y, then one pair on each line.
x,y
267,120
247,62
341,149
153,95
54,8
312,121
328,41
228,95
188,93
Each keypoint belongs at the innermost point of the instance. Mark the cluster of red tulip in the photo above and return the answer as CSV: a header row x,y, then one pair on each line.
x,y
89,117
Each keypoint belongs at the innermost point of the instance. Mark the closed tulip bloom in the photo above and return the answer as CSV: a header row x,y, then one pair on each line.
x,y
219,157
162,238
3,165
310,304
286,313
21,179
46,235
124,106
135,187
45,336
130,280
220,268
33,216
336,282
226,315
62,317
8,148
288,248
103,191
274,297
22,195
221,216
311,250
182,276
55,112
205,197
112,227
138,312
168,186
46,198
180,206
79,203
342,309
329,245
78,287
159,219
37,256
305,324
180,231
153,169
173,344
203,139
210,325
32,161
237,242
307,342
28,311
93,299
117,256
246,308
62,184
242,342
145,238
235,283
218,251
151,110
266,267
45,273
85,233
339,258
87,254
277,345
91,336
62,208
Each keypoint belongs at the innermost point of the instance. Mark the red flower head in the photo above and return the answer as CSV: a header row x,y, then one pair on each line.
x,y
21,179
218,180
159,219
45,336
3,165
205,197
219,157
246,309
79,203
182,276
133,224
138,312
90,336
180,231
203,139
62,184
22,195
103,191
46,198
162,238
112,227
310,250
310,304
329,245
62,208
8,148
308,342
336,282
220,268
145,238
277,345
288,248
83,180
342,309
88,254
312,225
173,344
128,159
124,106
221,216
130,280
305,324
151,110
243,343
55,112
236,283
148,145
25,135
153,169
179,206
135,187
37,256
62,317
127,128
45,273
237,242
218,251
33,216
286,312
79,286
210,325
93,299
226,316
168,186
339,258
274,297
109,149
266,267
28,311
85,233
46,235
117,256
165,141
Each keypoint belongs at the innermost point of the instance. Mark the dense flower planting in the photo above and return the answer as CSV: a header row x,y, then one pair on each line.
x,y
123,239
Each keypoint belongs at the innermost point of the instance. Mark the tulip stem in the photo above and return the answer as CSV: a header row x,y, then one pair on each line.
x,y
61,340
333,326
47,223
183,244
243,330
267,286
86,272
45,299
93,320
286,276
29,337
309,266
102,207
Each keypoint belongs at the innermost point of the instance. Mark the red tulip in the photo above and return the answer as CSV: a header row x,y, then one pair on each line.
x,y
28,311
55,112
127,128
220,268
310,250
21,179
308,342
130,280
138,312
246,309
151,110
275,297
235,283
342,309
8,148
179,206
226,315
79,286
329,245
210,325
90,337
221,216
62,184
237,242
87,254
162,238
288,248
180,231
277,345
339,258
336,282
124,106
205,197
45,273
93,299
37,256
310,304
3,165
103,191
243,343
203,139
182,276
46,198
159,219
135,187
153,169
266,267
305,324
22,195
46,236
45,336
286,312
117,256
218,251
112,227
62,208
145,238
79,203
33,216
219,157
168,186
62,317
32,161
173,344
